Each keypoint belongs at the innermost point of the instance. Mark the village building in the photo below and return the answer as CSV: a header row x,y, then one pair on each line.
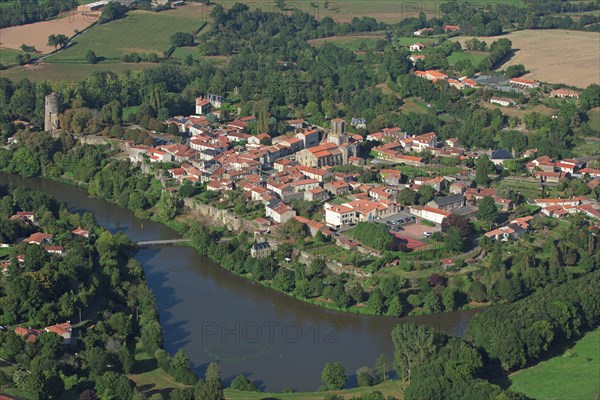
x,y
504,102
564,93
279,212
261,249
417,47
429,213
524,83
448,203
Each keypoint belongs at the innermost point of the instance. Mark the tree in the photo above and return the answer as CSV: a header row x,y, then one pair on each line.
x,y
395,307
334,376
364,379
382,366
60,40
463,225
90,57
488,211
181,39
413,344
114,386
375,302
483,167
590,96
407,197
454,239
112,11
515,70
52,41
180,360
244,384
425,193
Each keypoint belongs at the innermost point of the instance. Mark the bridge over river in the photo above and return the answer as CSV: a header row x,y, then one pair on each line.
x,y
153,243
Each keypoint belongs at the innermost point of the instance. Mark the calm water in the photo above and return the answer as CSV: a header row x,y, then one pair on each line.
x,y
215,315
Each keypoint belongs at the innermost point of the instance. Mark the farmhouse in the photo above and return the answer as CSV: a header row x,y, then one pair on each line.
x,y
431,75
564,93
416,57
504,102
419,32
417,47
451,28
524,83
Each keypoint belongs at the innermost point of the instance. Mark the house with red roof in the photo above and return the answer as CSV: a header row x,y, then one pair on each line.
x,y
564,93
39,238
202,106
279,212
79,231
524,83
23,216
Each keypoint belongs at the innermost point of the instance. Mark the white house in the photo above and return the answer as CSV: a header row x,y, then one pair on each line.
x,y
279,211
429,213
339,215
417,47
202,106
502,101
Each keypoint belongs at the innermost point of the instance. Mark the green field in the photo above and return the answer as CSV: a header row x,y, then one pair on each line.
x,y
457,56
354,43
575,374
407,41
67,72
140,32
183,52
5,251
7,56
595,118
414,105
388,388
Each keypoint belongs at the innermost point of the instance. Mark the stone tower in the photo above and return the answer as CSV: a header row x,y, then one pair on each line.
x,y
51,113
338,126
338,135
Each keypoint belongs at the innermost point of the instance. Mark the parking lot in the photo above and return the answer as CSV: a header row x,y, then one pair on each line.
x,y
415,231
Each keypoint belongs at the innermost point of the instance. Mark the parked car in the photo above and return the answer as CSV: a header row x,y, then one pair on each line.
x,y
427,234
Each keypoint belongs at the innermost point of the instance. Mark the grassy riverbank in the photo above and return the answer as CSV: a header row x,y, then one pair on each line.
x,y
151,380
574,374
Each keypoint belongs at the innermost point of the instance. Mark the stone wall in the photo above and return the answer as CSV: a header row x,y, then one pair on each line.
x,y
215,217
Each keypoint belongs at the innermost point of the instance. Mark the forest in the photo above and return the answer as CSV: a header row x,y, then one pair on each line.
x,y
20,12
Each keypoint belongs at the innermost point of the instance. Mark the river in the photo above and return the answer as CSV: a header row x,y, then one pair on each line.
x,y
213,314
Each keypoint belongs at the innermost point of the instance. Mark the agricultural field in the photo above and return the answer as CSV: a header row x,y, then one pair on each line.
x,y
66,72
574,374
474,57
407,41
8,56
577,64
353,43
139,32
390,11
36,34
